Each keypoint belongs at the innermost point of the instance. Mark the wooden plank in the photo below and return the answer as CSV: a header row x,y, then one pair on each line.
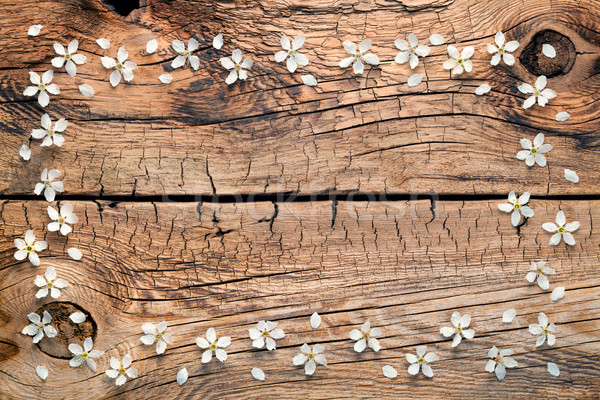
x,y
271,134
229,265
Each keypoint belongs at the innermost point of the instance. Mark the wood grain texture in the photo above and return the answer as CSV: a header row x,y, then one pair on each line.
x,y
207,205
271,134
229,266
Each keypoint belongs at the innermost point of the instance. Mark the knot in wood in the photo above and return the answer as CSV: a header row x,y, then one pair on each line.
x,y
538,64
68,331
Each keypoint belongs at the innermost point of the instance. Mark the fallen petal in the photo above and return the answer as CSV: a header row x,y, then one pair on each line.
x,y
483,89
415,80
562,116
548,51
151,46
309,80
25,152
103,43
34,30
218,41
182,376
509,315
553,369
86,90
258,373
41,370
165,78
571,175
389,372
74,253
558,293
315,320
77,317
436,39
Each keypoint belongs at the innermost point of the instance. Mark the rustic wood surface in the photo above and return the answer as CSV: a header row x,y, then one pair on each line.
x,y
203,204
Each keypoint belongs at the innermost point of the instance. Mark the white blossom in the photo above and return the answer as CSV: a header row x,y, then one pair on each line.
x,y
182,376
151,46
185,54
43,86
51,136
315,320
548,50
458,328
121,66
258,374
218,41
571,175
42,372
49,185
543,330
266,332
501,50
410,51
62,219
459,62
121,370
534,152
237,68
77,317
517,206
29,248
499,361
34,30
310,358
540,272
49,283
558,293
389,371
561,229
358,57
39,326
156,334
421,361
365,336
68,58
290,51
539,92
25,152
84,355
213,345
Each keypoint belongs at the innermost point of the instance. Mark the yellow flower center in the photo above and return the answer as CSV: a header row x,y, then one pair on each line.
x,y
561,230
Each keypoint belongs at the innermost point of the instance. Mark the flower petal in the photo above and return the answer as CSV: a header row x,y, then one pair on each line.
x,y
509,315
436,39
309,80
182,376
151,46
389,372
558,293
315,320
218,41
548,50
258,374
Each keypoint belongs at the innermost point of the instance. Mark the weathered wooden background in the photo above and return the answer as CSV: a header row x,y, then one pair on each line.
x,y
206,205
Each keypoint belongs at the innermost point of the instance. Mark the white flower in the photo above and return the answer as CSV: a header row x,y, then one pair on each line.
x,y
499,362
410,51
315,320
68,57
42,372
538,92
48,185
63,219
50,135
42,85
458,328
517,207
121,66
29,248
561,229
459,62
237,67
84,355
34,30
213,345
540,271
39,326
185,55
421,361
357,58
365,336
265,332
294,57
500,50
25,152
543,330
49,282
120,370
534,152
310,358
156,334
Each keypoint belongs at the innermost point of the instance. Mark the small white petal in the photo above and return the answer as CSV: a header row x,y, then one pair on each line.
x,y
86,90
553,369
258,374
77,317
415,80
571,175
218,41
309,80
509,315
483,89
548,51
42,371
389,372
562,116
74,253
103,43
558,293
182,376
25,152
151,46
34,30
166,78
315,320
436,39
